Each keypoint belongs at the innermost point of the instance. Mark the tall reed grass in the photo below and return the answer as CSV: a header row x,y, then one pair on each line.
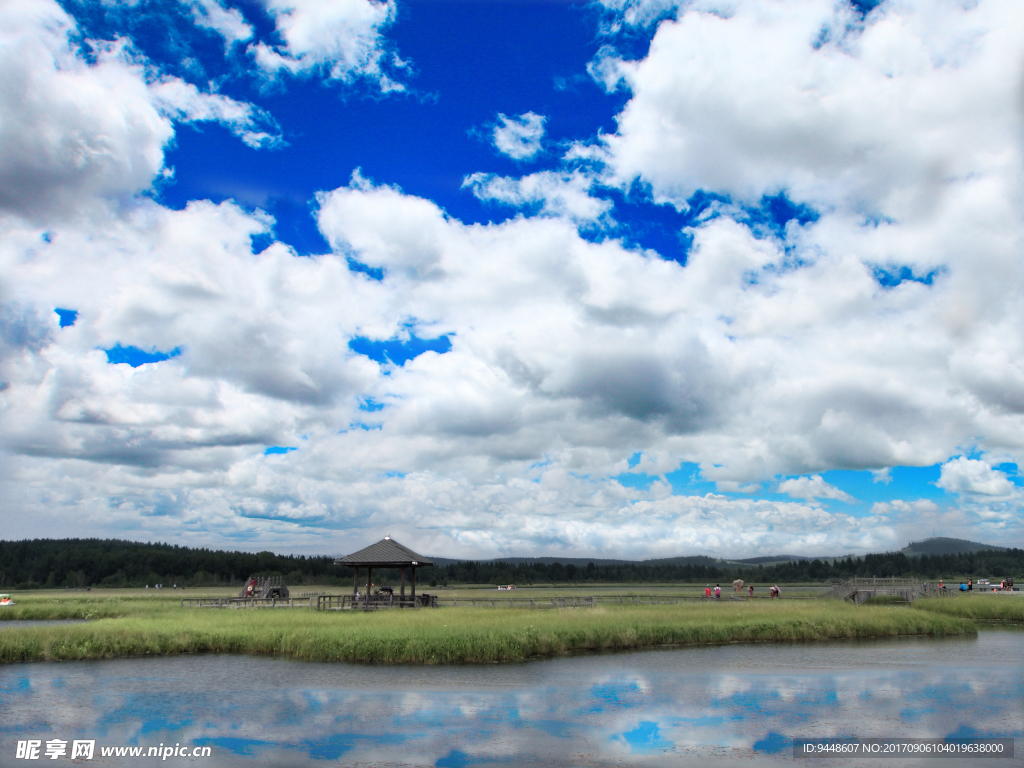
x,y
462,635
48,607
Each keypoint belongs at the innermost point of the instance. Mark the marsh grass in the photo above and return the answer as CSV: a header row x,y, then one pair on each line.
x,y
976,607
42,606
460,635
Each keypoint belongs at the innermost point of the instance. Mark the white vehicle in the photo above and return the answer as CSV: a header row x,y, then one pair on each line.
x,y
6,600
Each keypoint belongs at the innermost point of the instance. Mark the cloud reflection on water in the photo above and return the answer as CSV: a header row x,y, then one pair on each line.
x,y
706,705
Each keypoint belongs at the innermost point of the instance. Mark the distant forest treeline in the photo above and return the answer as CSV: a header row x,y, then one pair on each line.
x,y
52,563
998,564
49,563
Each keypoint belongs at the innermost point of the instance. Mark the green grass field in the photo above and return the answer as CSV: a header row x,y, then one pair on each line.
x,y
103,603
976,607
136,623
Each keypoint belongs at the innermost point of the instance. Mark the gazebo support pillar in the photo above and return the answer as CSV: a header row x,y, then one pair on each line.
x,y
355,581
369,584
403,582
413,571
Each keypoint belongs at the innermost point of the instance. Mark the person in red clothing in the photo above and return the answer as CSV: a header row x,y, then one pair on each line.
x,y
750,590
707,591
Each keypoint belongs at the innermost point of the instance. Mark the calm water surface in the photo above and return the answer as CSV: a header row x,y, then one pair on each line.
x,y
732,705
16,623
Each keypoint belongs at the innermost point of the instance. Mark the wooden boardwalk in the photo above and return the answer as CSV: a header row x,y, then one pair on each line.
x,y
327,602
373,602
862,589
346,602
247,602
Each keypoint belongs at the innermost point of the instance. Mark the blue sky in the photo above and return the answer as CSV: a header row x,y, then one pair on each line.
x,y
631,278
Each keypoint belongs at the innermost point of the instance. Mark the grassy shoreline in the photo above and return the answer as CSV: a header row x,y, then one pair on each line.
x,y
976,607
448,635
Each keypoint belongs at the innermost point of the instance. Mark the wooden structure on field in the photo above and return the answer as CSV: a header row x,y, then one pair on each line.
x,y
858,590
264,588
247,602
386,553
376,602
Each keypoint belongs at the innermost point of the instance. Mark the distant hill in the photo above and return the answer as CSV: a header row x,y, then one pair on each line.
x,y
684,560
772,559
942,545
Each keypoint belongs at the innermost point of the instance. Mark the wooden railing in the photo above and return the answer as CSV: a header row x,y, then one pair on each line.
x,y
909,589
518,602
373,602
248,602
332,602
346,602
338,602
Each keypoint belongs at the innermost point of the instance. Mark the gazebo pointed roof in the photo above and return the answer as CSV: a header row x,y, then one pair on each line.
x,y
386,553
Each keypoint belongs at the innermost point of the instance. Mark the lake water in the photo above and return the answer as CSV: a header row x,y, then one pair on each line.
x,y
731,705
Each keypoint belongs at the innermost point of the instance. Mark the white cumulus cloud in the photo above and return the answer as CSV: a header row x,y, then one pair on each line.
x,y
887,117
227,22
963,475
552,193
638,13
76,132
519,136
813,487
70,130
763,354
184,102
339,39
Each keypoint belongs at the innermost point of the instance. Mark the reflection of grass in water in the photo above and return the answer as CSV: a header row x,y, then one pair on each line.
x,y
458,635
982,607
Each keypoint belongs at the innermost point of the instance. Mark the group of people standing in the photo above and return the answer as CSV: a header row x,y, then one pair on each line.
x,y
772,591
1006,585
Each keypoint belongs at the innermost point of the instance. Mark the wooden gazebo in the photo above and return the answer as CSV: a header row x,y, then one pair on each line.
x,y
386,553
